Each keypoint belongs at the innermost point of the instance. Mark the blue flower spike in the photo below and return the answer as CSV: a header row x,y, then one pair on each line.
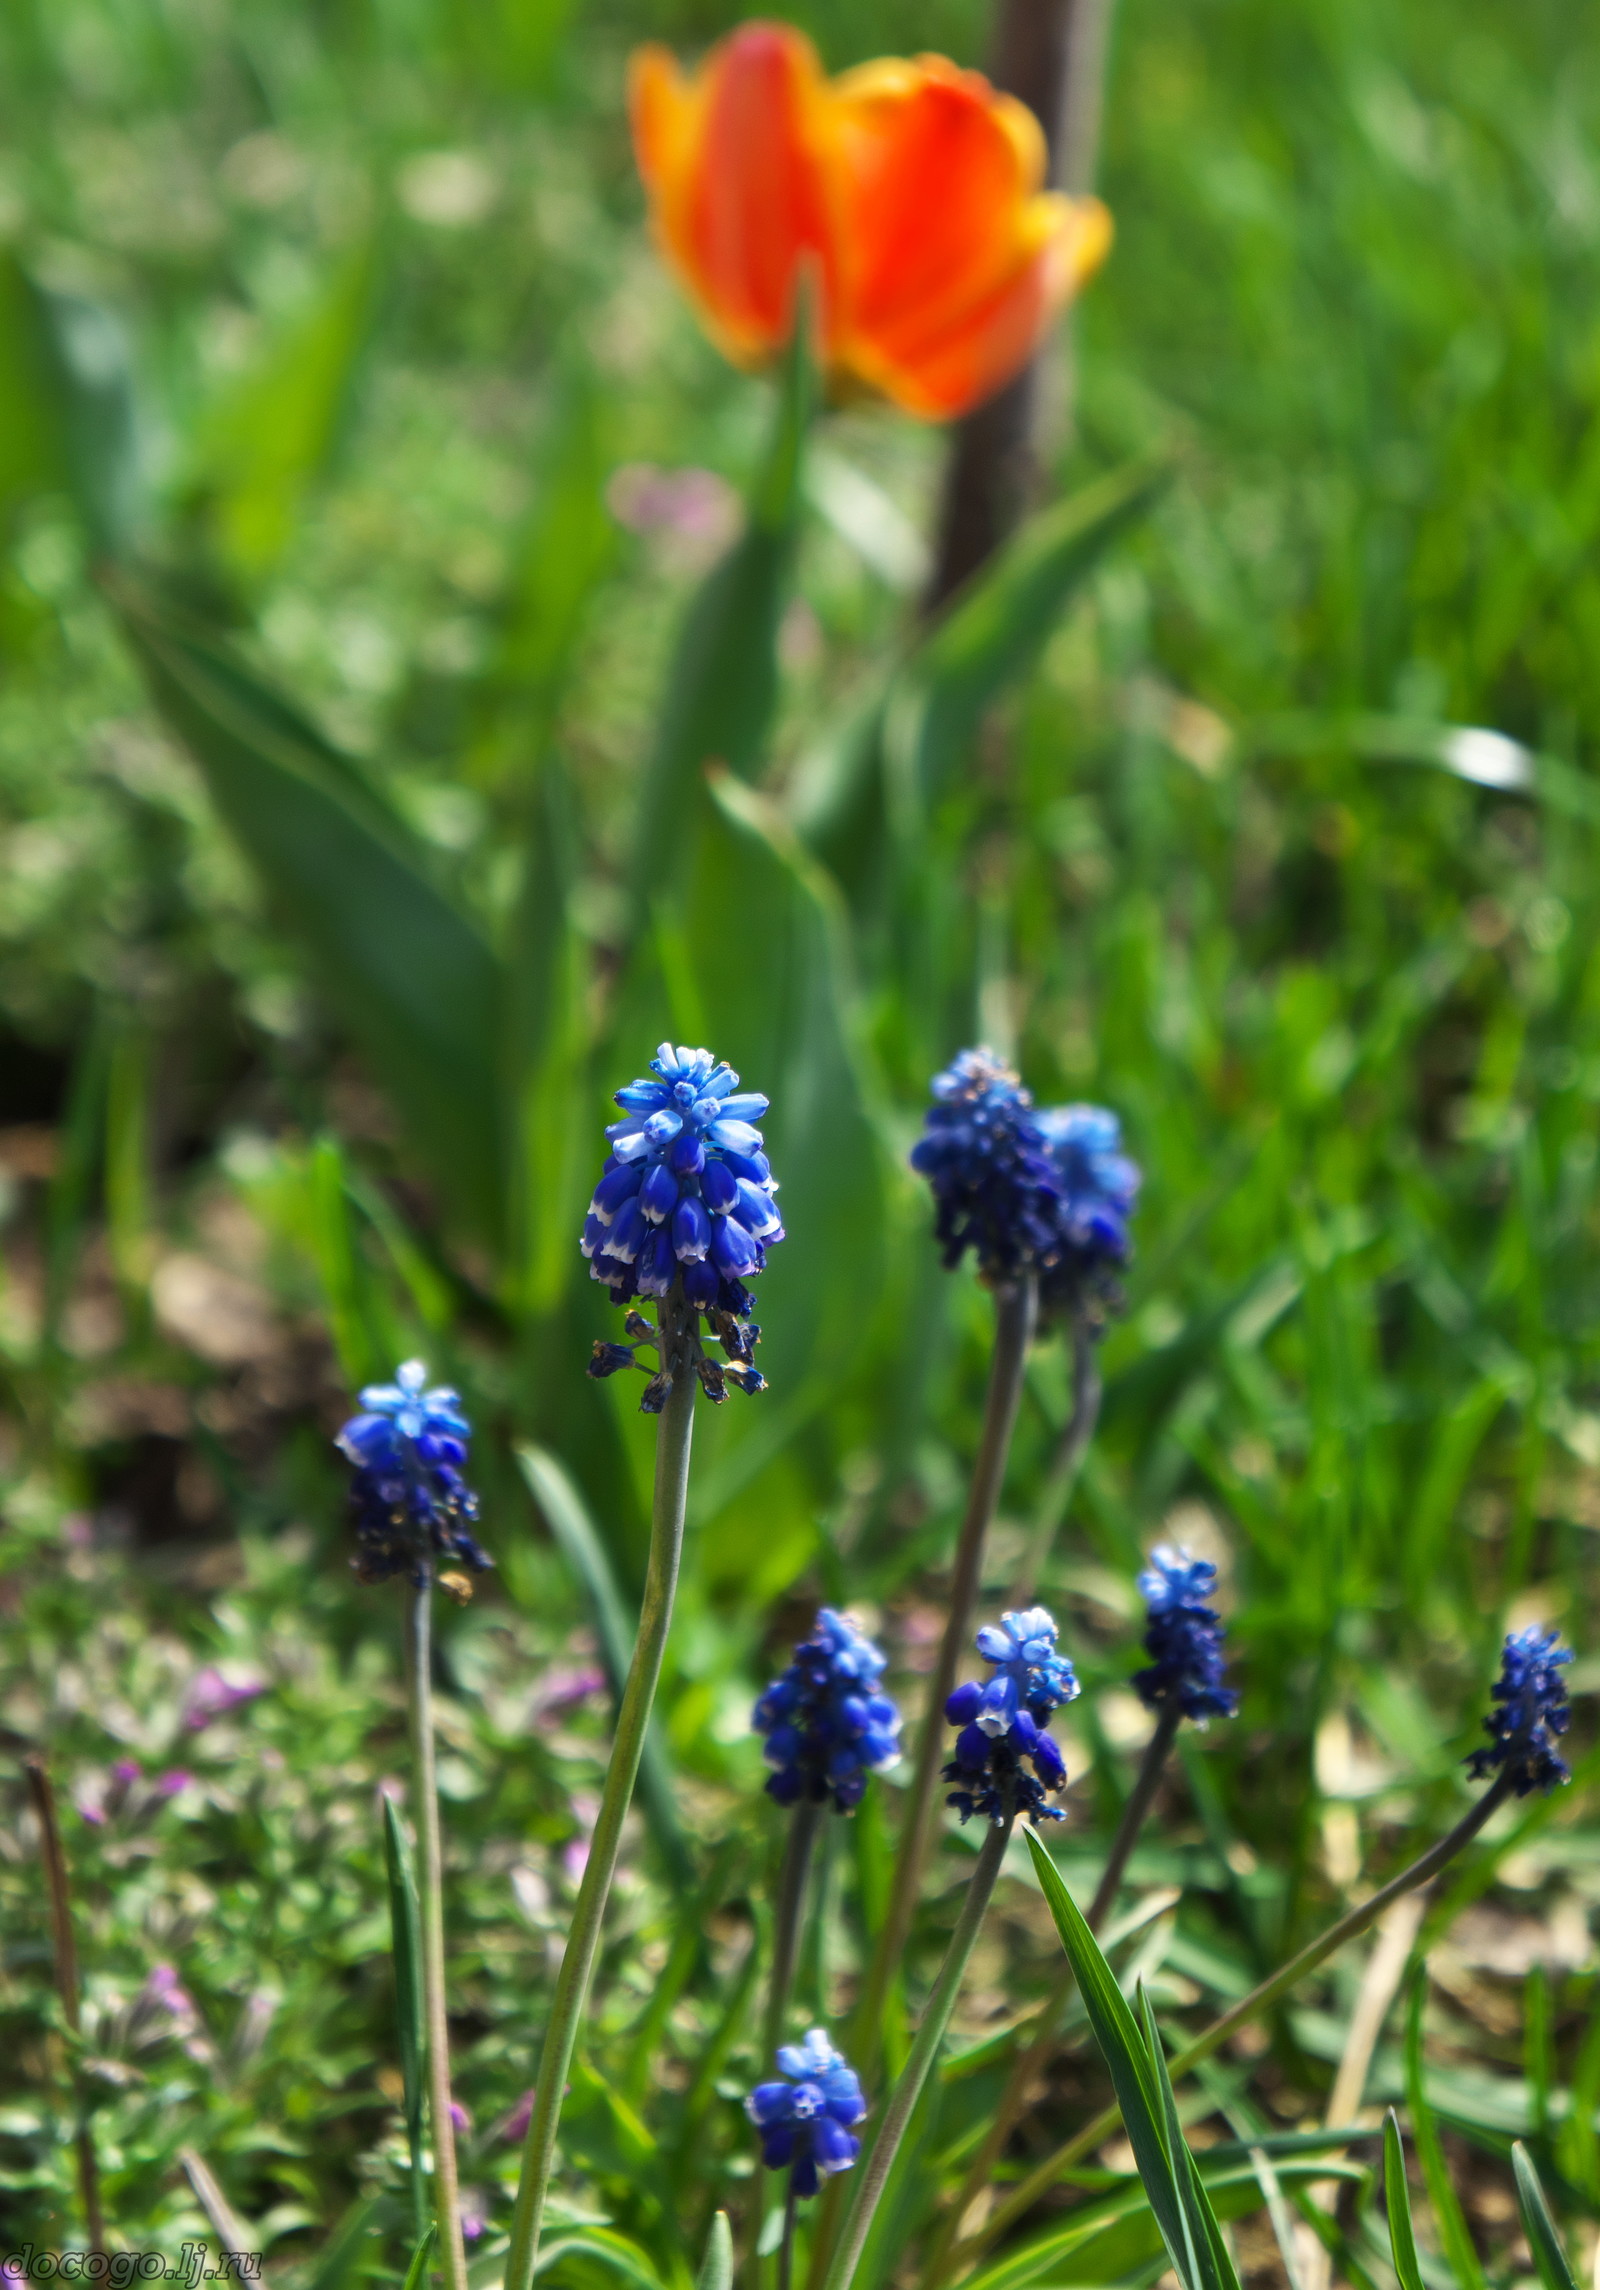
x,y
1532,1714
826,1721
1184,1638
1097,1188
987,1158
1003,1722
806,2123
684,1208
410,1504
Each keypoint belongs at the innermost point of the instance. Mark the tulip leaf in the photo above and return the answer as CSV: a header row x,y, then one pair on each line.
x,y
271,434
67,375
1548,2256
416,983
723,689
996,626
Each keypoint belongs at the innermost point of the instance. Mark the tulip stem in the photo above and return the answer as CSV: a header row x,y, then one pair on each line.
x,y
1030,2061
674,1431
1016,1309
874,2172
430,1901
1260,1999
42,1790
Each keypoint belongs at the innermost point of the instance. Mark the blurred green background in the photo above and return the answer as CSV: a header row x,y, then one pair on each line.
x,y
378,378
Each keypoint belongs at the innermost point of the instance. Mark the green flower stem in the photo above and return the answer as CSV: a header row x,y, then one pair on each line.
x,y
675,1428
873,2174
41,1789
1016,1310
786,2246
788,1923
1260,1999
1030,2061
1075,1439
430,1899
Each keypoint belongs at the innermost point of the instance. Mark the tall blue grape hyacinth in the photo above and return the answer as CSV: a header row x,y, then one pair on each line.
x,y
1097,1187
827,1723
409,1502
1183,1637
806,2122
1532,1713
684,1207
1003,1722
995,1184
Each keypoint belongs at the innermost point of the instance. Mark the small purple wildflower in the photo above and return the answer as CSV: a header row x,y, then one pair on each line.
x,y
212,1696
1533,1713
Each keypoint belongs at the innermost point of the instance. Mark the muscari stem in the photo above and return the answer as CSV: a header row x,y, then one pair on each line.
x,y
42,1791
1016,1310
786,2246
430,1900
1030,2061
674,1430
1260,1999
788,1922
1068,1462
874,2172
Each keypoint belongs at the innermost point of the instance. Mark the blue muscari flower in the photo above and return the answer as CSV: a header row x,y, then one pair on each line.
x,y
1003,1722
995,1183
1183,1638
685,1197
826,1723
1522,1732
1097,1186
805,2123
409,1501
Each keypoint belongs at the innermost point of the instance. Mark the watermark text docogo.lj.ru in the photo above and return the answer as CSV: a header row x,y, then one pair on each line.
x,y
121,2269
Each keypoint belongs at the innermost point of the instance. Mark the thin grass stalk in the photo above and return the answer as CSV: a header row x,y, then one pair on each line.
x,y
430,1900
674,1431
1076,1438
873,2175
1260,1999
1016,1311
42,1791
788,1923
1030,2062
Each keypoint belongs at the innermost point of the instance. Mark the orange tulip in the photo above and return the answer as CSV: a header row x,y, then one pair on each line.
x,y
910,190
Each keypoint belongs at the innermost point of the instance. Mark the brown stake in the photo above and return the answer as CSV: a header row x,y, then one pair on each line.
x,y
1050,54
42,1792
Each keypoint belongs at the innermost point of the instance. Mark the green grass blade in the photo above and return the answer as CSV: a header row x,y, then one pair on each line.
x,y
413,978
1454,2233
416,2271
351,2250
1538,2047
1397,2201
1540,2228
405,1931
1132,2072
567,1516
716,2268
1212,2261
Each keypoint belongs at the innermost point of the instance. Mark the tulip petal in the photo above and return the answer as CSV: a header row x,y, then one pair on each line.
x,y
731,162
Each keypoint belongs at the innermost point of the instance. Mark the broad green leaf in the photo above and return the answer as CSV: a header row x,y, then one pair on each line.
x,y
716,2268
33,444
1397,2200
96,419
1459,2247
723,688
1132,2071
271,434
567,1516
1540,2228
996,627
546,1054
405,1931
414,980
